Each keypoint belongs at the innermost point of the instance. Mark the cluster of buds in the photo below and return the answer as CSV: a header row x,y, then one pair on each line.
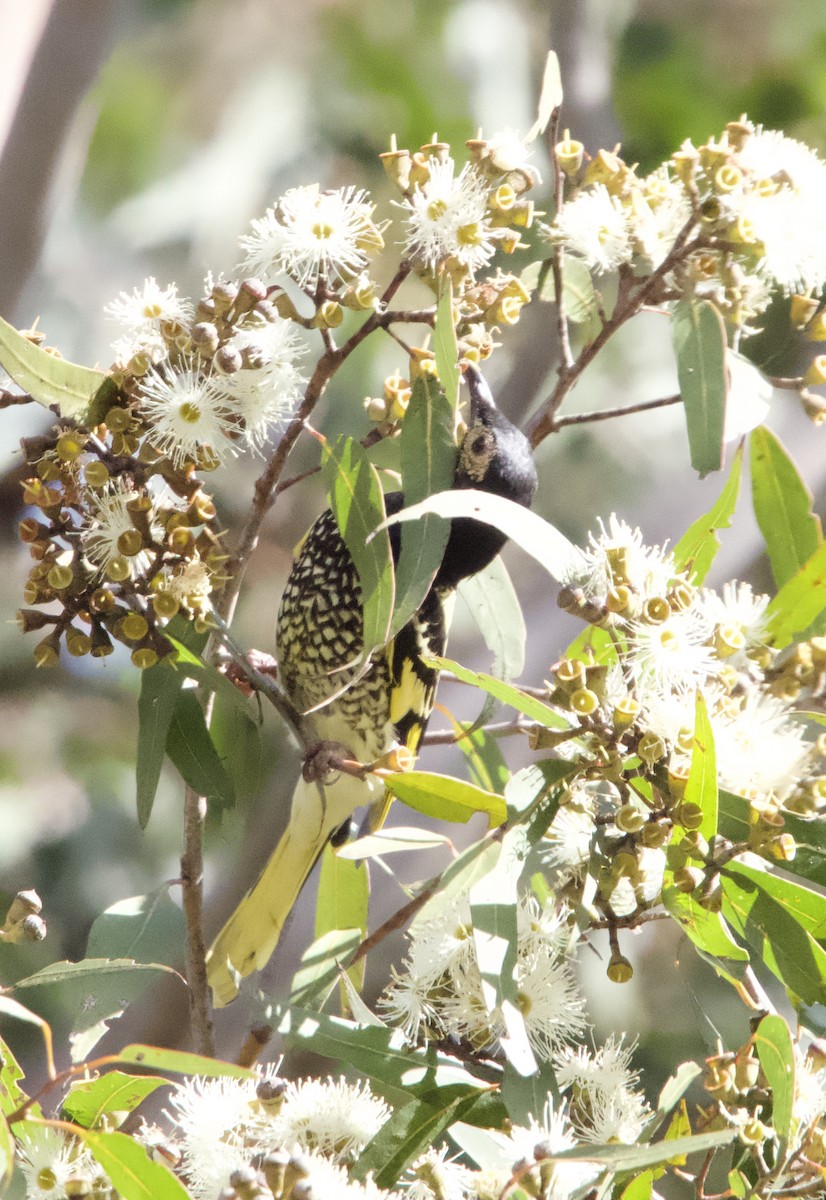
x,y
23,921
728,220
742,1099
629,708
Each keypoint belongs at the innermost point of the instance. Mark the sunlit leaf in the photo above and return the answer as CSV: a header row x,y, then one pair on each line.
x,y
391,841
550,96
699,339
134,1175
782,505
697,548
800,602
318,972
530,532
48,379
149,929
445,346
506,692
343,899
773,1042
6,1151
89,1100
701,787
445,798
180,1062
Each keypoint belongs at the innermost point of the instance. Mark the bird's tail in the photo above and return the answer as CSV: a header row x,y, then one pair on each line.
x,y
250,936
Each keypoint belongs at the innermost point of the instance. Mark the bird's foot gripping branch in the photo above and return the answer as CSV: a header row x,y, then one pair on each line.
x,y
675,780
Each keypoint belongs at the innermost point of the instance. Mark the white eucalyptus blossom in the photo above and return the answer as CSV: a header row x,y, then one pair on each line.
x,y
333,1117
109,520
49,1161
594,226
447,217
189,415
143,310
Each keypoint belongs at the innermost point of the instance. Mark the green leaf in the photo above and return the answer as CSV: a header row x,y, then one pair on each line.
x,y
809,836
697,548
785,946
506,692
49,380
160,688
707,930
192,751
550,96
806,905
389,840
89,1100
383,1054
428,459
773,1041
525,1096
11,1094
493,904
134,1175
800,602
149,929
445,346
445,798
343,899
578,291
674,1088
408,1132
320,965
531,533
472,864
699,338
782,505
484,758
6,1151
701,787
357,501
180,1062
494,605
237,736
640,1188
632,1158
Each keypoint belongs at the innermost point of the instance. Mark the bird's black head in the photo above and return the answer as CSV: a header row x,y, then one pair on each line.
x,y
494,456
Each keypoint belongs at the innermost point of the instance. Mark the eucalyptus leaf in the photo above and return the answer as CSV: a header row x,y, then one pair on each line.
x,y
530,532
179,1062
494,605
445,798
697,548
90,1100
318,972
699,339
192,751
144,928
536,709
550,96
51,381
343,899
445,345
701,787
134,1175
782,505
773,1042
801,602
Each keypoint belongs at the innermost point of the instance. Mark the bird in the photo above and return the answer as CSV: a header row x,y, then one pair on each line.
x,y
319,640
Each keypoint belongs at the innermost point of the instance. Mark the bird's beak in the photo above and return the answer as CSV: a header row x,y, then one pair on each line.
x,y
481,397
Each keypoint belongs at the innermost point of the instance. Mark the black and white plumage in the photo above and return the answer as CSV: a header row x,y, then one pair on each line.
x,y
319,643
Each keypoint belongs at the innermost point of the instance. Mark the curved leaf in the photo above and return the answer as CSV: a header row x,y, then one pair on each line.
x,y
773,1042
134,1175
49,380
89,1100
445,798
800,602
506,692
697,548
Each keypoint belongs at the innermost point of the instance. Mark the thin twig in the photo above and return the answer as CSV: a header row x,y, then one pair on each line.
x,y
192,878
608,414
448,737
562,328
9,399
398,920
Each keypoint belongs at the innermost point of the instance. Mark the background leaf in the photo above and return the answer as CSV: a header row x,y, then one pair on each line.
x,y
782,505
699,338
149,929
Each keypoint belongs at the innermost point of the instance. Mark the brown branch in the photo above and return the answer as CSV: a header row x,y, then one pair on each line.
x,y
447,737
632,297
607,414
398,920
192,880
563,331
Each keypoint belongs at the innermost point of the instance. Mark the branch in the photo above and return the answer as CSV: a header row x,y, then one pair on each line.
x,y
9,399
562,328
192,880
496,729
607,414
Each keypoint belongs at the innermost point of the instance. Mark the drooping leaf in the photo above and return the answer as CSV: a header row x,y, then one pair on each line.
x,y
800,602
192,751
483,756
134,1175
160,687
673,1090
445,346
48,379
6,1151
699,338
506,692
809,836
697,548
428,460
782,505
531,533
773,1042
525,1096
389,840
148,929
701,788
89,1100
445,798
11,1093
494,605
343,899
707,930
578,291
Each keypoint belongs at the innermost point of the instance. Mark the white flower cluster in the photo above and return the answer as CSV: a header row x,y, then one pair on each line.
x,y
210,379
670,642
735,218
222,1126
